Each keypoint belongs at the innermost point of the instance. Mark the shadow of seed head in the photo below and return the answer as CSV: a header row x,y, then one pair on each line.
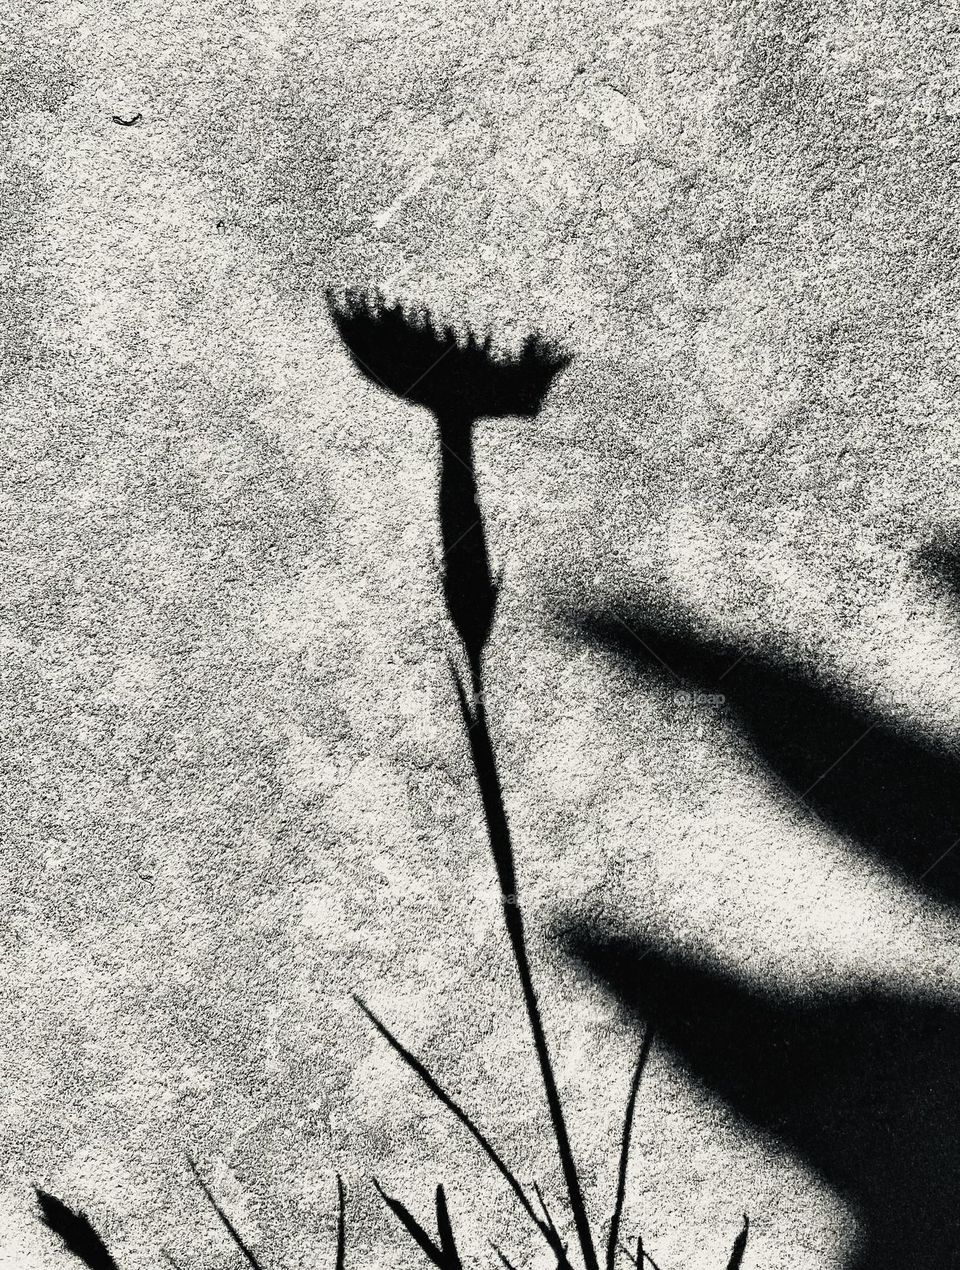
x,y
404,353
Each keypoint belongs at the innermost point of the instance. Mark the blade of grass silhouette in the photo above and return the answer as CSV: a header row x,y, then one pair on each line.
x,y
438,1255
227,1223
556,1240
341,1225
625,1147
509,1264
440,1093
641,1254
498,833
75,1231
740,1245
445,1231
551,1224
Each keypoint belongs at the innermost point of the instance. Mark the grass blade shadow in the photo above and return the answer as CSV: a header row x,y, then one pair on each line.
x,y
625,1147
341,1225
501,846
445,1231
740,1245
227,1223
444,1257
508,1264
76,1232
478,1135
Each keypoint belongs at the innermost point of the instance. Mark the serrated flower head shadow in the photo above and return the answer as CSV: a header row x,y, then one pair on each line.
x,y
403,352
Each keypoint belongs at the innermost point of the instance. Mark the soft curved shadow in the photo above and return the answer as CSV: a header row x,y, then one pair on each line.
x,y
939,560
887,791
863,1088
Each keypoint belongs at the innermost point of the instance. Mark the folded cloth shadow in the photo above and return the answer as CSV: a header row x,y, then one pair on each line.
x,y
863,1088
884,789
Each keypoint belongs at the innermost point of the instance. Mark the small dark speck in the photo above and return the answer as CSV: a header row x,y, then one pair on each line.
x,y
127,123
220,224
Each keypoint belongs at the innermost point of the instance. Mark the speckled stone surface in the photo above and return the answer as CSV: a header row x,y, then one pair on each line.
x,y
236,787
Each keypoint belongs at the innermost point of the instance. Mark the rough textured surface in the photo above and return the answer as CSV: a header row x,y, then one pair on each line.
x,y
236,788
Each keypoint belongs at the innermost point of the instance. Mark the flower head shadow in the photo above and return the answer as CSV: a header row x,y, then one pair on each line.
x,y
403,352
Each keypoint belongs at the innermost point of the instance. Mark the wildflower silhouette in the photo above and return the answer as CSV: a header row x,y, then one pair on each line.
x,y
459,382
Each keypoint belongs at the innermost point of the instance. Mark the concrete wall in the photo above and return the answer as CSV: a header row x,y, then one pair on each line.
x,y
237,789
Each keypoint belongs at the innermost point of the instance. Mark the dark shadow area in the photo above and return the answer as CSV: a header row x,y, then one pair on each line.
x,y
863,1089
403,352
77,1234
941,561
884,790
